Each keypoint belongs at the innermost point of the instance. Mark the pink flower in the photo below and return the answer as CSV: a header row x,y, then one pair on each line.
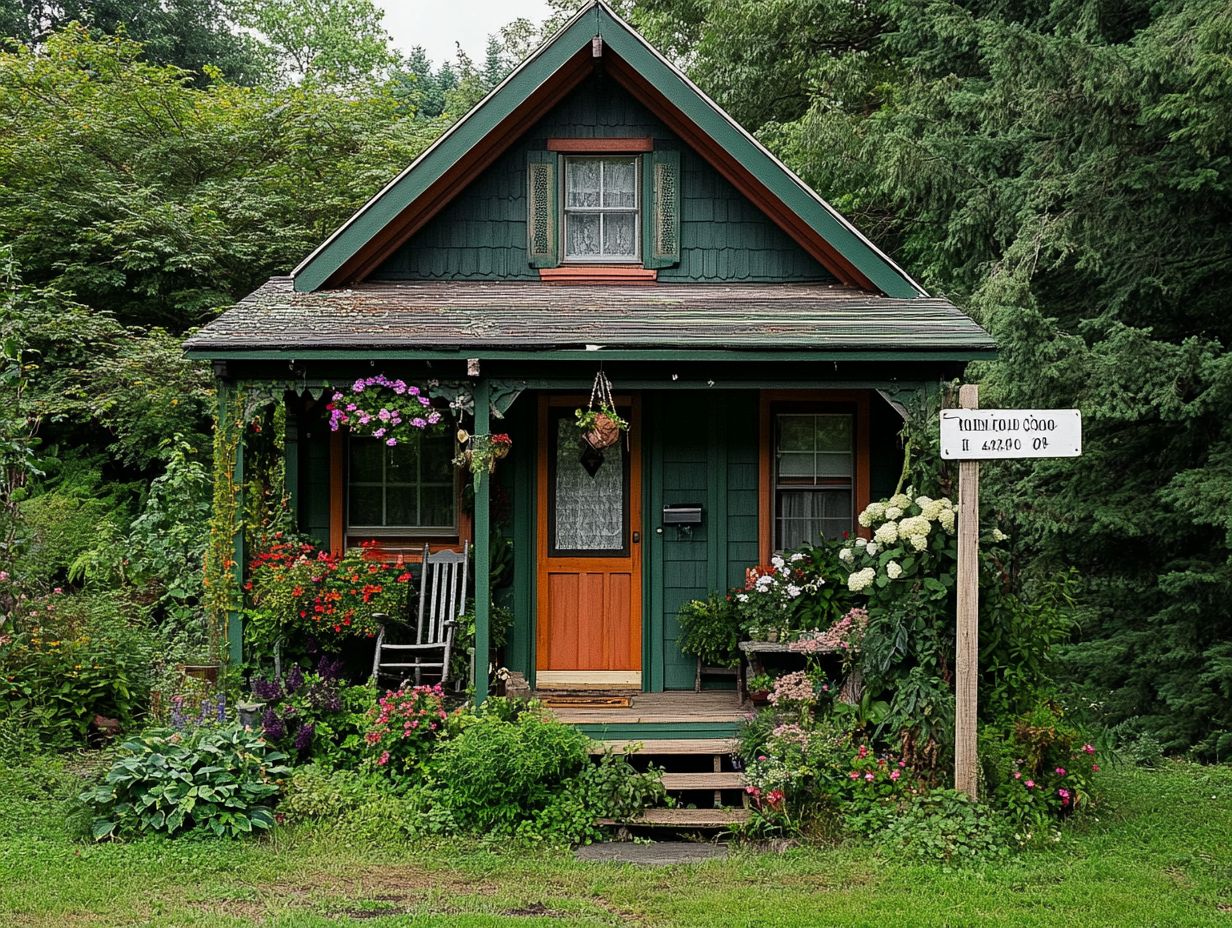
x,y
869,777
854,775
383,759
1030,784
1060,771
1089,748
1095,768
1017,774
895,774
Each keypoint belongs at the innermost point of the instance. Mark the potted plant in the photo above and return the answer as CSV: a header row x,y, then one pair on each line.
x,y
598,422
601,428
759,686
479,453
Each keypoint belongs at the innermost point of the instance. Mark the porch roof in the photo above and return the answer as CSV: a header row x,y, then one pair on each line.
x,y
467,316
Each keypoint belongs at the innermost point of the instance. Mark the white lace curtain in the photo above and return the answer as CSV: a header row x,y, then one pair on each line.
x,y
589,510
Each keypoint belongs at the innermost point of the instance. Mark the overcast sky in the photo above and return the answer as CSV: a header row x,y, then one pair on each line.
x,y
437,24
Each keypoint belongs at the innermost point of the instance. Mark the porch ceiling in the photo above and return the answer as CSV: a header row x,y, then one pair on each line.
x,y
478,316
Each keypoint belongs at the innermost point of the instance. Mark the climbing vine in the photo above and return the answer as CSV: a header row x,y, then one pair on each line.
x,y
222,592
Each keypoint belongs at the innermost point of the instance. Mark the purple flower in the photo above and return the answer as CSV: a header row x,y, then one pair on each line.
x,y
303,737
221,708
266,689
272,725
391,442
329,668
418,422
295,678
177,718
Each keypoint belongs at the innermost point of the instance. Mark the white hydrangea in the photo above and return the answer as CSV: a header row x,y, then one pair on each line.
x,y
894,570
946,520
861,541
893,512
845,555
918,542
930,509
998,535
914,525
870,549
873,512
887,533
860,579
900,500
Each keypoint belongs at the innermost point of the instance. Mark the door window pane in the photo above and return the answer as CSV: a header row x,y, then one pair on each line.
x,y
588,510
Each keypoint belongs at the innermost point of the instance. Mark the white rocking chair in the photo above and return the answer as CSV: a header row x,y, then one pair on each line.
x,y
442,597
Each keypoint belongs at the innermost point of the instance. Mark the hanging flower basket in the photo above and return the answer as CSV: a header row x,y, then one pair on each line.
x,y
479,453
389,410
599,424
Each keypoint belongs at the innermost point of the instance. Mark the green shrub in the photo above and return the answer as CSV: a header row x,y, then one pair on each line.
x,y
221,780
710,630
942,825
76,656
496,774
318,793
611,788
1044,770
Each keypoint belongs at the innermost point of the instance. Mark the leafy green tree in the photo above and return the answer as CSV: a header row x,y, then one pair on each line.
x,y
138,193
189,34
329,42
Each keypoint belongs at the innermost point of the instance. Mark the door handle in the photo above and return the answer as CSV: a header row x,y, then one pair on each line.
x,y
637,537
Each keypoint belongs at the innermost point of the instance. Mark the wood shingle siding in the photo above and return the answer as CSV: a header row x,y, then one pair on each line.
x,y
481,234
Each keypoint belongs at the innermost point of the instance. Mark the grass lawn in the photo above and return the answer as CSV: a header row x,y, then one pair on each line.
x,y
1159,852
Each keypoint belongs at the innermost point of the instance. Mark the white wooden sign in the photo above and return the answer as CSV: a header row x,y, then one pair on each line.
x,y
991,434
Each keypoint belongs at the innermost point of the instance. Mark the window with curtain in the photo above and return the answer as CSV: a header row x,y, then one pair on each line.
x,y
601,209
813,477
408,489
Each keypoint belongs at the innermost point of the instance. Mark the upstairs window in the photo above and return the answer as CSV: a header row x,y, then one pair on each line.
x,y
602,212
406,490
813,479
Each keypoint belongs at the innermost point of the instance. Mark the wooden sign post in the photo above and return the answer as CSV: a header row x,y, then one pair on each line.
x,y
970,434
967,656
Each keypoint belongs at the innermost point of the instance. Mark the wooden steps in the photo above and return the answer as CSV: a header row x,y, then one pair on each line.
x,y
708,781
706,746
705,819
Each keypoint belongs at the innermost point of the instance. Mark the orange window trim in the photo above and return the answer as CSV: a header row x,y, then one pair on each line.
x,y
598,274
600,146
859,399
408,549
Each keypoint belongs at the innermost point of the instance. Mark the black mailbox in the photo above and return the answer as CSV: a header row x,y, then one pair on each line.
x,y
683,514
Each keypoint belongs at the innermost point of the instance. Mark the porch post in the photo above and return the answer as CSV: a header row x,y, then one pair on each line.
x,y
229,425
483,586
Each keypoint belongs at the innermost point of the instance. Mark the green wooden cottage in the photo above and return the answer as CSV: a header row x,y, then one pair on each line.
x,y
597,211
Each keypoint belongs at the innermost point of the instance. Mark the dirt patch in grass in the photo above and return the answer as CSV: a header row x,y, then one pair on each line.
x,y
395,890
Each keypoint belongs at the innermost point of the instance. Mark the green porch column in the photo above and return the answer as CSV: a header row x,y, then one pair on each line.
x,y
483,548
229,414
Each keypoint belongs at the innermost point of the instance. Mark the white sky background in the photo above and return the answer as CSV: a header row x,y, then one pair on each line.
x,y
438,24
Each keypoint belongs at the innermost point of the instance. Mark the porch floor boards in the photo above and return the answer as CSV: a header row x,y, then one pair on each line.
x,y
714,706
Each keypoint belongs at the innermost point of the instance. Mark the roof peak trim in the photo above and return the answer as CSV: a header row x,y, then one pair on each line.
x,y
554,68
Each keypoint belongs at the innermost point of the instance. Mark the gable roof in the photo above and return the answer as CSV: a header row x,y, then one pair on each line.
x,y
443,319
533,88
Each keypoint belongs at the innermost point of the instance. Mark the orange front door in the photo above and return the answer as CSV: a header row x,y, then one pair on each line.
x,y
589,553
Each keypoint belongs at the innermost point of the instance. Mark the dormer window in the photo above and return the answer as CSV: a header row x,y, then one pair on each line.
x,y
602,218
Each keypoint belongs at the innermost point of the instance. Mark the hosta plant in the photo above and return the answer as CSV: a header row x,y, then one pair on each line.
x,y
218,780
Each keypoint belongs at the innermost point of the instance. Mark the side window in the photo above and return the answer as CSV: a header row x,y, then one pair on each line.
x,y
813,477
405,490
602,210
